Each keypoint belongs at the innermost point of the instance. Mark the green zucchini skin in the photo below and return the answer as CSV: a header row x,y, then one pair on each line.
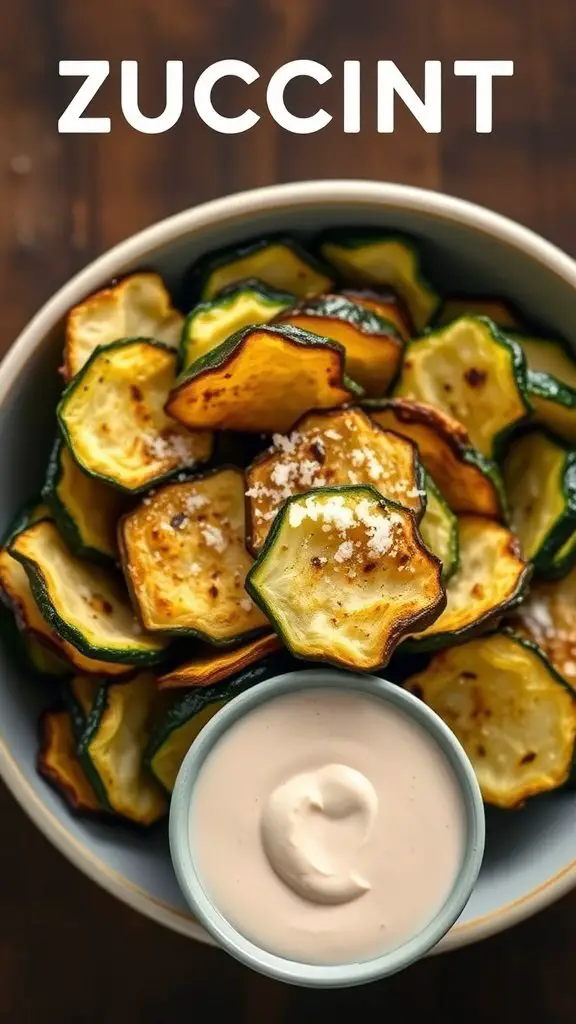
x,y
91,726
64,520
562,562
449,567
198,276
277,300
358,237
544,385
339,307
219,356
196,699
64,629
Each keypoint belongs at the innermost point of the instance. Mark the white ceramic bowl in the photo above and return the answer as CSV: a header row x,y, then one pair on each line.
x,y
530,855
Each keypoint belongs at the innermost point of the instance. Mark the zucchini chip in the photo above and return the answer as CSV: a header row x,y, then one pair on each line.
x,y
468,481
513,714
178,728
372,344
470,371
439,529
500,312
333,448
80,696
262,379
491,578
551,384
138,306
86,511
112,417
367,257
59,764
344,576
211,323
185,559
540,481
208,669
386,303
18,596
278,262
114,742
563,561
83,603
548,617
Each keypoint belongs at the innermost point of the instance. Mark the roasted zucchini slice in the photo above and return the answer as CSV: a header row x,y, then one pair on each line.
x,y
84,603
551,384
468,481
344,576
262,379
439,529
367,257
386,303
501,312
208,669
114,741
513,714
17,595
548,617
211,323
470,371
185,559
540,481
372,344
137,306
86,511
80,696
491,578
177,729
331,448
563,561
278,262
113,420
59,764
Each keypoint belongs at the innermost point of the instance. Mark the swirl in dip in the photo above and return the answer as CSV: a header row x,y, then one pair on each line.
x,y
327,826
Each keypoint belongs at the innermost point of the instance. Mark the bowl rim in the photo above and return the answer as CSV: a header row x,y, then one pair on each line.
x,y
223,212
206,910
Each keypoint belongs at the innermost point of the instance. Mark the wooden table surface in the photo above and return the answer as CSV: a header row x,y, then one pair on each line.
x,y
68,952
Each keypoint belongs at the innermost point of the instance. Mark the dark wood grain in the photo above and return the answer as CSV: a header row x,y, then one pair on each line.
x,y
68,951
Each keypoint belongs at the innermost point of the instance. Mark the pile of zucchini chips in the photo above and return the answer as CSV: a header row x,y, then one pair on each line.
x,y
321,462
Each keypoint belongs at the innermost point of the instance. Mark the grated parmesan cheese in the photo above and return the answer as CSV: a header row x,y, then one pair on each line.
x,y
214,538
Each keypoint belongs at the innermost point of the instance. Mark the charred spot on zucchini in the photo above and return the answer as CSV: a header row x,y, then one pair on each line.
x,y
540,480
16,593
548,618
211,323
217,666
472,372
279,262
490,579
331,449
137,306
372,344
113,420
262,379
83,603
344,576
185,559
59,764
500,311
386,303
439,529
372,257
114,742
86,510
177,729
511,711
468,480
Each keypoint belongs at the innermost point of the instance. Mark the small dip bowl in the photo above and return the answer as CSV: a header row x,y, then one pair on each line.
x,y
281,968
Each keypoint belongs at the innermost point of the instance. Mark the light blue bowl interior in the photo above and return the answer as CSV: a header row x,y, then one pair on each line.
x,y
524,849
190,879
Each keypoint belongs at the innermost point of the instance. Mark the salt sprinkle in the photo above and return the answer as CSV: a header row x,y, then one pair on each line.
x,y
246,604
344,552
214,538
